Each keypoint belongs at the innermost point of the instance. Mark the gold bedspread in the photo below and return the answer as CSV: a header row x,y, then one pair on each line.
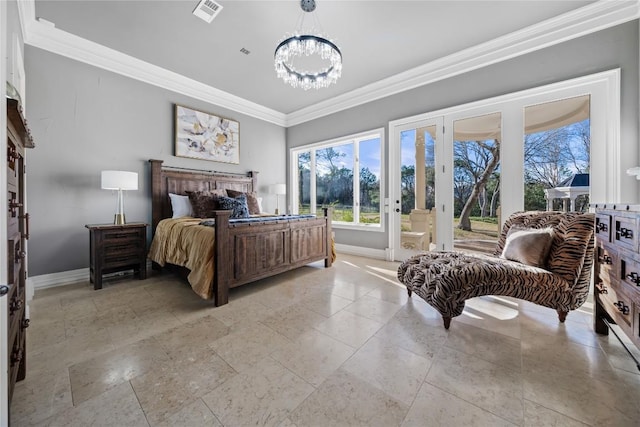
x,y
183,242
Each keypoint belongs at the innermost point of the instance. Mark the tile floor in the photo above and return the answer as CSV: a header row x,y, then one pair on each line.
x,y
314,347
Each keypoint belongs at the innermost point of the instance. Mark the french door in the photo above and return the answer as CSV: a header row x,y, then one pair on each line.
x,y
413,204
467,168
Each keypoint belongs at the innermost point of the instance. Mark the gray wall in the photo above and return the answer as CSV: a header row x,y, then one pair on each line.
x,y
605,50
85,120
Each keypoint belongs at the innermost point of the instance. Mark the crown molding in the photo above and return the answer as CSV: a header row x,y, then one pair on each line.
x,y
588,19
45,36
585,20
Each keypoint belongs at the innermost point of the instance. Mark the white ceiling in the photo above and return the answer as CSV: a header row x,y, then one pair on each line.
x,y
378,39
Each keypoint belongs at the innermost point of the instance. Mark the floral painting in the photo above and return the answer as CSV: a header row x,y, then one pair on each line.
x,y
205,136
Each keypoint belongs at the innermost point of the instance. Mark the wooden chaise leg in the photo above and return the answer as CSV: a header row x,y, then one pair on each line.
x,y
409,292
447,321
562,315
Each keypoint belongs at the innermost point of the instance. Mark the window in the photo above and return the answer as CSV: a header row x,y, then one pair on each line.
x,y
344,174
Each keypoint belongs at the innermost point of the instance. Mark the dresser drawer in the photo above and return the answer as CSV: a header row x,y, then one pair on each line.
x,y
630,274
603,227
625,232
606,261
617,303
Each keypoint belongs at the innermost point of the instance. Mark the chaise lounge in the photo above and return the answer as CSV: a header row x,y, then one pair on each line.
x,y
541,257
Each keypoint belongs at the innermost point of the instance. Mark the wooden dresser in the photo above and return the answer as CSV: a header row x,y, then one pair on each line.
x,y
617,269
18,139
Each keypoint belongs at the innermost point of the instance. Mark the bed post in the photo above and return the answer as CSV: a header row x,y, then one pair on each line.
x,y
157,192
254,180
328,213
222,258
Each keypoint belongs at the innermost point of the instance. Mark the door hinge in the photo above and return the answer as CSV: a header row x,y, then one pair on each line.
x,y
442,168
442,208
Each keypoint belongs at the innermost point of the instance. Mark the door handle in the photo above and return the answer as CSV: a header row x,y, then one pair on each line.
x,y
4,290
397,209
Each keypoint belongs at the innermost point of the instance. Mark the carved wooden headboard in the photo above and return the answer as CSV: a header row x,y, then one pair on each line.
x,y
167,179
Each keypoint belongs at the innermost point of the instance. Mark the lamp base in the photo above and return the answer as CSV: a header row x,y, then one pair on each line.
x,y
118,219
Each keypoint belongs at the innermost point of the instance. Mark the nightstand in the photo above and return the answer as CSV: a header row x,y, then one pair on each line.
x,y
117,248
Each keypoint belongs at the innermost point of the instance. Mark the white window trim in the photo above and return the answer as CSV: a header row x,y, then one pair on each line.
x,y
355,139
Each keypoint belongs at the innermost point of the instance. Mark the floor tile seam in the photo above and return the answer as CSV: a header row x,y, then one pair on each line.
x,y
211,411
569,339
484,359
366,379
590,373
139,403
554,411
289,340
476,405
382,325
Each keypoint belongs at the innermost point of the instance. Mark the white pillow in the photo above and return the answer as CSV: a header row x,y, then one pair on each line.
x,y
180,205
260,204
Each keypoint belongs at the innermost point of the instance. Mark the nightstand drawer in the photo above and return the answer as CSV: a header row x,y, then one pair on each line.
x,y
122,236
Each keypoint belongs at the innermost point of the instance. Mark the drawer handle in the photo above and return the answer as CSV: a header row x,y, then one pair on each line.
x,y
4,290
16,356
25,323
602,288
20,254
12,153
603,227
634,277
15,305
622,307
626,233
605,259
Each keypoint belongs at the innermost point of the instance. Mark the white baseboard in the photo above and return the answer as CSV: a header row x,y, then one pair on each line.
x,y
55,279
61,278
361,251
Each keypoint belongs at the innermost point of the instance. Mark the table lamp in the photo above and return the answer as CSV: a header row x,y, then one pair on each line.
x,y
278,189
119,180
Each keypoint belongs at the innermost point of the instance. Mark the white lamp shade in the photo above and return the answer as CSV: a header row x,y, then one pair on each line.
x,y
119,180
278,189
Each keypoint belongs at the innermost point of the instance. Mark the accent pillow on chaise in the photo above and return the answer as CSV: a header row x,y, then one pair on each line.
x,y
528,246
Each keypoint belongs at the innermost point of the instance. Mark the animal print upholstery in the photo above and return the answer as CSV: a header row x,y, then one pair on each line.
x,y
447,279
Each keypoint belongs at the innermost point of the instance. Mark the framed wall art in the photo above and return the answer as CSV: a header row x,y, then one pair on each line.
x,y
205,136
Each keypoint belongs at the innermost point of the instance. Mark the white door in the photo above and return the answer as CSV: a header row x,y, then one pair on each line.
x,y
415,162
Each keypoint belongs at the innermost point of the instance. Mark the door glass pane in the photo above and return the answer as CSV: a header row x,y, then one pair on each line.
x,y
476,181
370,181
556,155
417,185
304,183
334,181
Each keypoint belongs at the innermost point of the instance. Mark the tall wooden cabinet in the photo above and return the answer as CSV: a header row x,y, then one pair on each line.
x,y
617,270
18,140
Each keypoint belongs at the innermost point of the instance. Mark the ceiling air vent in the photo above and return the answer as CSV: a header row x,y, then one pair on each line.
x,y
207,10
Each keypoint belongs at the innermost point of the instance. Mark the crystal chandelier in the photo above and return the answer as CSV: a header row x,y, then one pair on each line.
x,y
299,45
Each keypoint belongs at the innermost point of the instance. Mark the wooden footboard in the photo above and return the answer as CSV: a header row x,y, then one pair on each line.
x,y
248,252
244,252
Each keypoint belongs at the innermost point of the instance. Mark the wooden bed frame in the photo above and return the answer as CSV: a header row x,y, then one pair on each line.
x,y
243,252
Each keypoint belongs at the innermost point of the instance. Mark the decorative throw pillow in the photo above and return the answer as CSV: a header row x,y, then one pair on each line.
x,y
238,206
205,202
252,200
180,205
528,245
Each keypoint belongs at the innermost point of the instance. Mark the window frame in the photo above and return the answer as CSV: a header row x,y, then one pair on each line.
x,y
354,139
